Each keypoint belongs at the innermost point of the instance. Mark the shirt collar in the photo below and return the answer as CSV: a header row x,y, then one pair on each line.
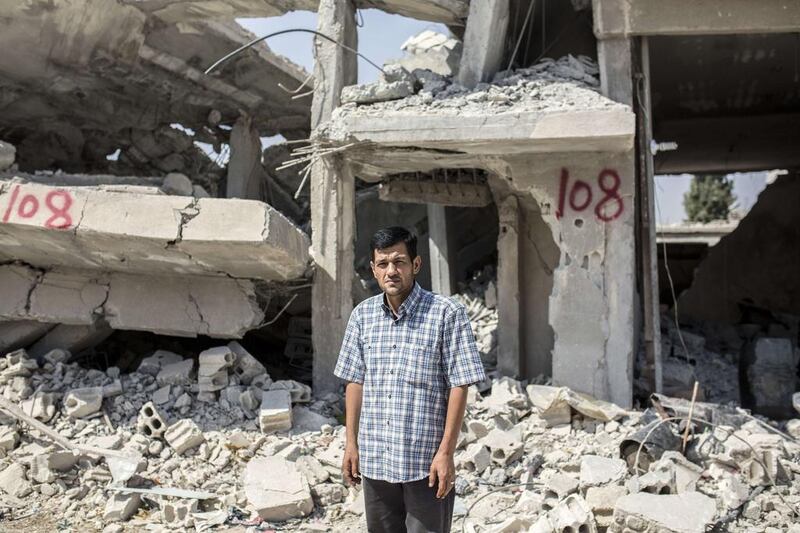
x,y
409,304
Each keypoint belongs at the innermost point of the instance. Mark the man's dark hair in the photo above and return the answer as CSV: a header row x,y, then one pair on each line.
x,y
387,237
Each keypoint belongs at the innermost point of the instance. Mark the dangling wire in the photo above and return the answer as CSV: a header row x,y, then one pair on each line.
x,y
257,40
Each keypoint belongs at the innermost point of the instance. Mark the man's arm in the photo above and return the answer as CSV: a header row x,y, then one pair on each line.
x,y
352,411
443,466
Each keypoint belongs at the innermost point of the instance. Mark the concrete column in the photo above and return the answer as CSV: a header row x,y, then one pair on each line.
x,y
508,299
332,198
440,253
614,59
484,41
244,167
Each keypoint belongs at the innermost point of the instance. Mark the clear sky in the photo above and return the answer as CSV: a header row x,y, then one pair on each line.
x,y
380,38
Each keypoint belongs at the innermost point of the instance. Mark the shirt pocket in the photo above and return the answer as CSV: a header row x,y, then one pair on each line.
x,y
421,366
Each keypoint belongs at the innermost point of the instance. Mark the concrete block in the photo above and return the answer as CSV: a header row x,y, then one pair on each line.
x,y
80,403
602,500
300,392
376,92
689,512
261,381
654,482
276,490
248,399
686,473
573,514
560,486
276,411
176,373
184,435
44,468
121,506
476,458
154,363
329,493
151,421
9,439
19,364
13,481
596,470
504,446
434,51
246,366
41,406
177,512
214,360
213,382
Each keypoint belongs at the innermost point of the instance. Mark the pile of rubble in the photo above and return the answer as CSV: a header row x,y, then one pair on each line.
x,y
550,85
479,297
201,443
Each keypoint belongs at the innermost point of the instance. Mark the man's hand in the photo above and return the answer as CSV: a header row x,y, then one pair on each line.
x,y
443,470
350,471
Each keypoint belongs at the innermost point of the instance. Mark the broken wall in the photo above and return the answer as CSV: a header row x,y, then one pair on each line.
x,y
757,262
586,200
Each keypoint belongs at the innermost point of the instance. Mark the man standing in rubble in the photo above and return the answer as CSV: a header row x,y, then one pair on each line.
x,y
408,356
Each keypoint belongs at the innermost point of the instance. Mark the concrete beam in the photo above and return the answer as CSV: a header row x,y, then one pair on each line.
x,y
244,167
74,339
20,333
508,289
729,144
173,11
484,41
614,60
332,198
609,130
440,250
429,192
622,18
144,233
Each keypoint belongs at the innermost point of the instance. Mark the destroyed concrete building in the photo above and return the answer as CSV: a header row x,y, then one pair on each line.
x,y
187,313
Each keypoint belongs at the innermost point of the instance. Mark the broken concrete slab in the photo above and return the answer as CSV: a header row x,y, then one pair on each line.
x,y
434,51
596,470
376,92
136,233
120,507
276,490
18,333
179,373
689,512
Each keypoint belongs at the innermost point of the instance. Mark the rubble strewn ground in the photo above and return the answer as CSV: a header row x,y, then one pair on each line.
x,y
219,444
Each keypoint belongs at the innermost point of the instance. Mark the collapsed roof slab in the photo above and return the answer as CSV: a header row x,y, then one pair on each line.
x,y
94,229
445,11
104,66
165,304
529,111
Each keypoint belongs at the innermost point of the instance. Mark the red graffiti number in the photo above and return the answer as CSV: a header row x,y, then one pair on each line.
x,y
58,202
61,213
579,195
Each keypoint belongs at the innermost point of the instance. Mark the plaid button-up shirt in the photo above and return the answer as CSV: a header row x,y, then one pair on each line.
x,y
407,365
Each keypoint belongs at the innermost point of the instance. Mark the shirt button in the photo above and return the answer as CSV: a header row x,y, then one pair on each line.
x,y
390,396
394,346
391,372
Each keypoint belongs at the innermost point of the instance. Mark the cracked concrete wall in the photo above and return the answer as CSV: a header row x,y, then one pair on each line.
x,y
169,305
586,200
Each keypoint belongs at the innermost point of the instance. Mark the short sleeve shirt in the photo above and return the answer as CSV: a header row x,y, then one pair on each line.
x,y
407,365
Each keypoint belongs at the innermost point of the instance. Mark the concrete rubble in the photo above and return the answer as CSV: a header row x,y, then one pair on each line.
x,y
264,451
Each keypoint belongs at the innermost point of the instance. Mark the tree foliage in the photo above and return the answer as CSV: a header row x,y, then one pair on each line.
x,y
709,198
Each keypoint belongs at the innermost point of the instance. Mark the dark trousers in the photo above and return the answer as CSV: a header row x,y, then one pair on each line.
x,y
406,507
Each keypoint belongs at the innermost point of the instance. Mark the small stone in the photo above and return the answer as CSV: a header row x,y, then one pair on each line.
x,y
121,506
177,184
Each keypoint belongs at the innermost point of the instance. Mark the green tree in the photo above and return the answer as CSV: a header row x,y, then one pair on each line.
x,y
709,198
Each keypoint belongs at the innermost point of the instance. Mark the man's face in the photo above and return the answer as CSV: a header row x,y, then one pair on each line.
x,y
394,269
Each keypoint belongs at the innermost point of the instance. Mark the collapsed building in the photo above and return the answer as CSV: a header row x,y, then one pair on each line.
x,y
211,296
